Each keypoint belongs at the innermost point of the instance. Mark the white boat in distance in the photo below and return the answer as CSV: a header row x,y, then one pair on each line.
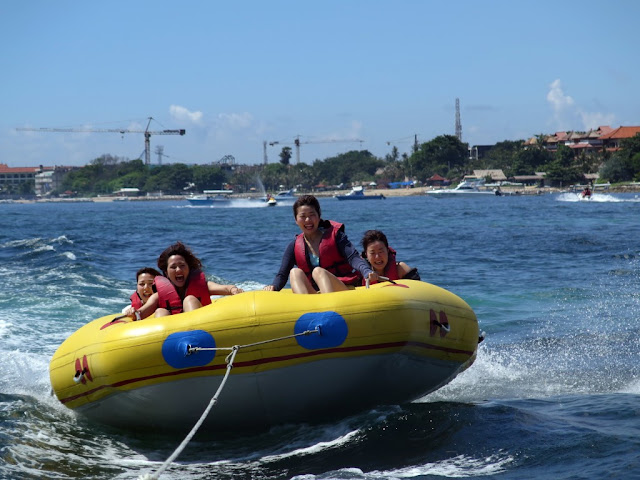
x,y
210,197
286,195
466,187
357,193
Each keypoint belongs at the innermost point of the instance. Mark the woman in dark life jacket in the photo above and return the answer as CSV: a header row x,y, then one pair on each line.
x,y
183,287
382,258
144,289
326,260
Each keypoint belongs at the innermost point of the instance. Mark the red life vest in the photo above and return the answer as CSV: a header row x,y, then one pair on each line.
x,y
136,301
169,298
390,269
330,258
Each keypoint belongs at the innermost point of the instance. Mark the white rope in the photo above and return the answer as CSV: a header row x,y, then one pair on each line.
x,y
191,349
380,277
214,400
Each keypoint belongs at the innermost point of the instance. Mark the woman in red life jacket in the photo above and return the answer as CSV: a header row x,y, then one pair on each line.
x,y
382,258
325,258
144,289
183,287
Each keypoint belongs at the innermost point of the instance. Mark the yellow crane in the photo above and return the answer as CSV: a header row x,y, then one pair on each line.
x,y
297,142
147,134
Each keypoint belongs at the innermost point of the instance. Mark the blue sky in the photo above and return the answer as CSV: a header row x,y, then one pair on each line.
x,y
237,73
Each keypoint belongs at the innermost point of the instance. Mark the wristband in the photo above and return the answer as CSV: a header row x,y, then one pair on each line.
x,y
138,317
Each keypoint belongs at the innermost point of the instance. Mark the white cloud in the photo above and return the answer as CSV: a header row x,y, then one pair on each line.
x,y
351,133
556,97
356,128
596,119
567,115
182,114
235,121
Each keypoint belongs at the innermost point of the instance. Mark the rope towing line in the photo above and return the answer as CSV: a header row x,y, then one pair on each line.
x,y
443,326
386,279
79,375
191,349
214,400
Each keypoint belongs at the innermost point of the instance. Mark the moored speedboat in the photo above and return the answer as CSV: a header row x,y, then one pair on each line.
x,y
357,193
288,195
389,344
211,198
466,187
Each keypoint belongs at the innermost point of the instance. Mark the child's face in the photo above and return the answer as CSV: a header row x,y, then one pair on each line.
x,y
144,287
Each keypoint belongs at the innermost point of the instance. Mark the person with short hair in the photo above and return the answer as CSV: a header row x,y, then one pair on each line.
x,y
321,259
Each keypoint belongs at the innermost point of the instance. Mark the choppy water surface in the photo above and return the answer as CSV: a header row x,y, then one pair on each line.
x,y
553,394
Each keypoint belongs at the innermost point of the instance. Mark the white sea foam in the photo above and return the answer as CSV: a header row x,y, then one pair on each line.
x,y
62,239
28,242
456,467
508,373
24,373
317,447
595,198
5,328
44,248
632,387
69,255
460,466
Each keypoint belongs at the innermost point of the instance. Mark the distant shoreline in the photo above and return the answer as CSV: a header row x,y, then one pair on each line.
x,y
395,192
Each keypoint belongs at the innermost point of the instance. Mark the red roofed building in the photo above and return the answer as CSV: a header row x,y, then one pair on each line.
x,y
611,140
593,141
16,175
436,180
44,179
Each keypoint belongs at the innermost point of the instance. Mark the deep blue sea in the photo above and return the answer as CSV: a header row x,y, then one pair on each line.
x,y
554,393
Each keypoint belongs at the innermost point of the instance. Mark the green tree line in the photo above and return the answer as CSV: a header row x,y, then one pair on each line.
x,y
444,155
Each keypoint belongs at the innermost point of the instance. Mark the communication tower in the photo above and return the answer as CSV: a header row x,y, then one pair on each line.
x,y
160,153
458,123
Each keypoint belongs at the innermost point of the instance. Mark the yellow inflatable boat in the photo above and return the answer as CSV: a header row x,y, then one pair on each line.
x,y
300,358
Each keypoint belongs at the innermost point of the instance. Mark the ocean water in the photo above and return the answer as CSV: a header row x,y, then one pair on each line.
x,y
554,393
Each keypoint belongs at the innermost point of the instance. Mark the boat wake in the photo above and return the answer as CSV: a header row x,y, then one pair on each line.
x,y
595,198
241,203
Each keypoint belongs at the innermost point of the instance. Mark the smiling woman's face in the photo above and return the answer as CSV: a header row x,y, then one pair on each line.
x,y
307,219
177,270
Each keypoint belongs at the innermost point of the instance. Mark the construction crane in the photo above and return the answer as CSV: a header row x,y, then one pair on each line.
x,y
146,132
297,142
